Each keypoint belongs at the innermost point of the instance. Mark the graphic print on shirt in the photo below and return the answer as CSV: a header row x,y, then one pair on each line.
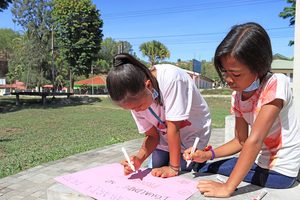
x,y
249,110
273,141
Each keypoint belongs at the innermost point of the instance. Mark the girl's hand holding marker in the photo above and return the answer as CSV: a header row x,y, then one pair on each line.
x,y
188,162
128,164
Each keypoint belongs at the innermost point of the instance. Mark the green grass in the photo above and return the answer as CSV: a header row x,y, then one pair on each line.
x,y
219,108
34,134
223,91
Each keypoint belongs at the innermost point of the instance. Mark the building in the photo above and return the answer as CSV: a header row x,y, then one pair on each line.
x,y
7,88
201,81
94,85
3,71
284,67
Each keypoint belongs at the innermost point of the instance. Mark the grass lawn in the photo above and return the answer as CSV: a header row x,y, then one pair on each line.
x,y
33,134
223,91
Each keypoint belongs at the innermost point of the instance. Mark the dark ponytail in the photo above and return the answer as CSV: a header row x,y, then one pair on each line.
x,y
127,78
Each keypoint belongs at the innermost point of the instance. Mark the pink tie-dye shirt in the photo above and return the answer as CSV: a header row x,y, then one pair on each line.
x,y
281,148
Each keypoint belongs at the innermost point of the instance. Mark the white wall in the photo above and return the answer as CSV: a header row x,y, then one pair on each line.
x,y
296,79
2,82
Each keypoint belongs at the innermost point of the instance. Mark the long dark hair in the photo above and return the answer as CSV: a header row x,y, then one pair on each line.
x,y
248,43
127,78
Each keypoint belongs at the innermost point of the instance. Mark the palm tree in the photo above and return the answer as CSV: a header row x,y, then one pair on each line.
x,y
155,51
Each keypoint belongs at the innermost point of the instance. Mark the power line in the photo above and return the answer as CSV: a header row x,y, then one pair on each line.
x,y
212,4
183,9
192,34
196,42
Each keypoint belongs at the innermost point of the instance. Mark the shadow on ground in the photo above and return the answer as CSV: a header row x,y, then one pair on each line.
x,y
8,104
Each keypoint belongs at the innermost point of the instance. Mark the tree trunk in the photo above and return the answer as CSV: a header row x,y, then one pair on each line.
x,y
70,89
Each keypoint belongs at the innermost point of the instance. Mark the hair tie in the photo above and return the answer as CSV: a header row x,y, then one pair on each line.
x,y
122,59
117,62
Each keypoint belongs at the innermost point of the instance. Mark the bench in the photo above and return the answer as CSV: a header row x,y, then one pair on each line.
x,y
42,94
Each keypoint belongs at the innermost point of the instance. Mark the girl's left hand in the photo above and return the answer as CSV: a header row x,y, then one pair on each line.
x,y
164,172
214,189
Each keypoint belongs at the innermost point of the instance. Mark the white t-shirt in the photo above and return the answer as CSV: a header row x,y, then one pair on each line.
x,y
181,101
281,148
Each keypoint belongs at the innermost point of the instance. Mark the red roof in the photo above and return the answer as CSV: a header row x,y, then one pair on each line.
x,y
97,80
18,85
47,86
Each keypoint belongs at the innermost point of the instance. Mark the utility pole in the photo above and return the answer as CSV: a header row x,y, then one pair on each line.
x,y
52,60
120,47
296,78
92,80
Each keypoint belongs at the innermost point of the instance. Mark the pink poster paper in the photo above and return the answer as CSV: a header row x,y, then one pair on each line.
x,y
109,182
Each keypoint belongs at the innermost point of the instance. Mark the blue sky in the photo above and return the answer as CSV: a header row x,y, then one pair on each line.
x,y
191,29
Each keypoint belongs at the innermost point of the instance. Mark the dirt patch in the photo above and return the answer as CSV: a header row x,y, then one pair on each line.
x,y
2,153
8,131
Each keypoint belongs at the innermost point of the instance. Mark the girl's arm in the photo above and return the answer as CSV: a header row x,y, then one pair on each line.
x,y
253,144
232,147
250,150
173,137
150,142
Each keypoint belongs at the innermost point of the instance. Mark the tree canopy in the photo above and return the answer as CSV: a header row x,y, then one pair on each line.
x,y
34,17
4,4
289,12
155,51
109,48
79,33
6,38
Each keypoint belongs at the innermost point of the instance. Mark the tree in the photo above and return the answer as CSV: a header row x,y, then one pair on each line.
x,y
289,12
4,4
6,38
35,19
22,66
79,34
17,63
61,71
124,47
101,66
109,48
209,70
188,65
155,51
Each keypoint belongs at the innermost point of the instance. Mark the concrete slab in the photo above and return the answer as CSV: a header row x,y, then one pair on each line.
x,y
244,191
41,178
